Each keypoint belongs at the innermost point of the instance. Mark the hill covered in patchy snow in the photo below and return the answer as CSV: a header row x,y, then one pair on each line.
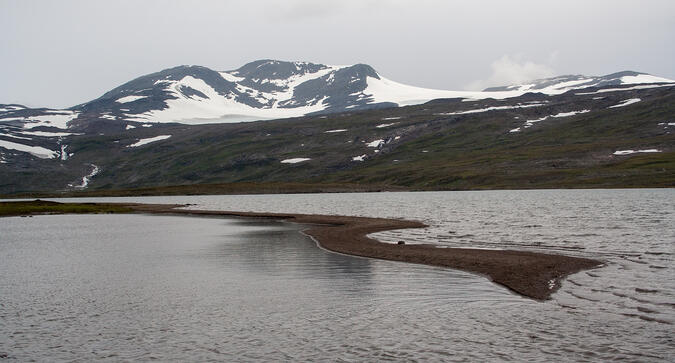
x,y
344,124
612,136
270,89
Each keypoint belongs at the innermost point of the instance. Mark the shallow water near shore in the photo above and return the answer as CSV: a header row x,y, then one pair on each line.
x,y
262,290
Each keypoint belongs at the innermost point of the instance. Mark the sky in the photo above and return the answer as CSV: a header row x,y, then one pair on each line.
x,y
62,53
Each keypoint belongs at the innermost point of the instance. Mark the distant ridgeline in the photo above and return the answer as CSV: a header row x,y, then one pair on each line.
x,y
343,125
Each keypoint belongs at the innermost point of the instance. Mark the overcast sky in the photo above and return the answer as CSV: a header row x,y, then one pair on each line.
x,y
62,53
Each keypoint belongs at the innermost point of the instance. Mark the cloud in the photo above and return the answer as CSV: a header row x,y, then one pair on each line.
x,y
509,70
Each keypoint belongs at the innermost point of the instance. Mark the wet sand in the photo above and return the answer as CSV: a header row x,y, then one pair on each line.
x,y
531,274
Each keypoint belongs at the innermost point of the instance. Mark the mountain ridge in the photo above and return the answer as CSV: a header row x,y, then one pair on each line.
x,y
594,137
272,89
339,125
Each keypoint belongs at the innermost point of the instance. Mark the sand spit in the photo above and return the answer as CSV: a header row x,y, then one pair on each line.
x,y
531,274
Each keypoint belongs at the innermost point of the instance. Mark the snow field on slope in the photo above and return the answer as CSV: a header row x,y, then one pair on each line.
x,y
380,126
385,90
554,89
48,134
11,108
644,86
492,108
213,108
562,87
37,151
644,78
529,123
628,152
376,143
58,119
131,98
294,160
148,140
627,102
288,84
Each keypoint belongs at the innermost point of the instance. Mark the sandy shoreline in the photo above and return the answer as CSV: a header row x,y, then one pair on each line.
x,y
531,274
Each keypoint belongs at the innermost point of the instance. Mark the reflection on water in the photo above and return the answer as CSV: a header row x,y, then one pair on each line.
x,y
124,287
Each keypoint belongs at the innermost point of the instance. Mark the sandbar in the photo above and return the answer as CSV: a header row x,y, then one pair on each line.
x,y
534,275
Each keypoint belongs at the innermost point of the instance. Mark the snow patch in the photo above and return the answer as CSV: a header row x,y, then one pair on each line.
x,y
294,160
628,152
230,77
359,158
644,78
627,102
376,143
37,151
129,127
334,131
48,134
385,125
385,90
142,142
644,86
571,113
492,108
391,118
57,119
529,123
11,108
216,108
18,137
128,99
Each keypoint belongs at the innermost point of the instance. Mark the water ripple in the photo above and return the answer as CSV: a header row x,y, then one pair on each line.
x,y
622,311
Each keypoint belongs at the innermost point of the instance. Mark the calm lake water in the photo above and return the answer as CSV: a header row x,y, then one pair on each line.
x,y
184,288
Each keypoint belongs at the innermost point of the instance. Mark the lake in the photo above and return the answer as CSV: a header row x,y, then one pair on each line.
x,y
123,287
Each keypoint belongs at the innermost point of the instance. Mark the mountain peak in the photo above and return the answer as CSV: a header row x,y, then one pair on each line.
x,y
275,69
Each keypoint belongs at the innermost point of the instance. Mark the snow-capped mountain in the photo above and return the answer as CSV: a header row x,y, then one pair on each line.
x,y
562,84
120,141
266,89
271,89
